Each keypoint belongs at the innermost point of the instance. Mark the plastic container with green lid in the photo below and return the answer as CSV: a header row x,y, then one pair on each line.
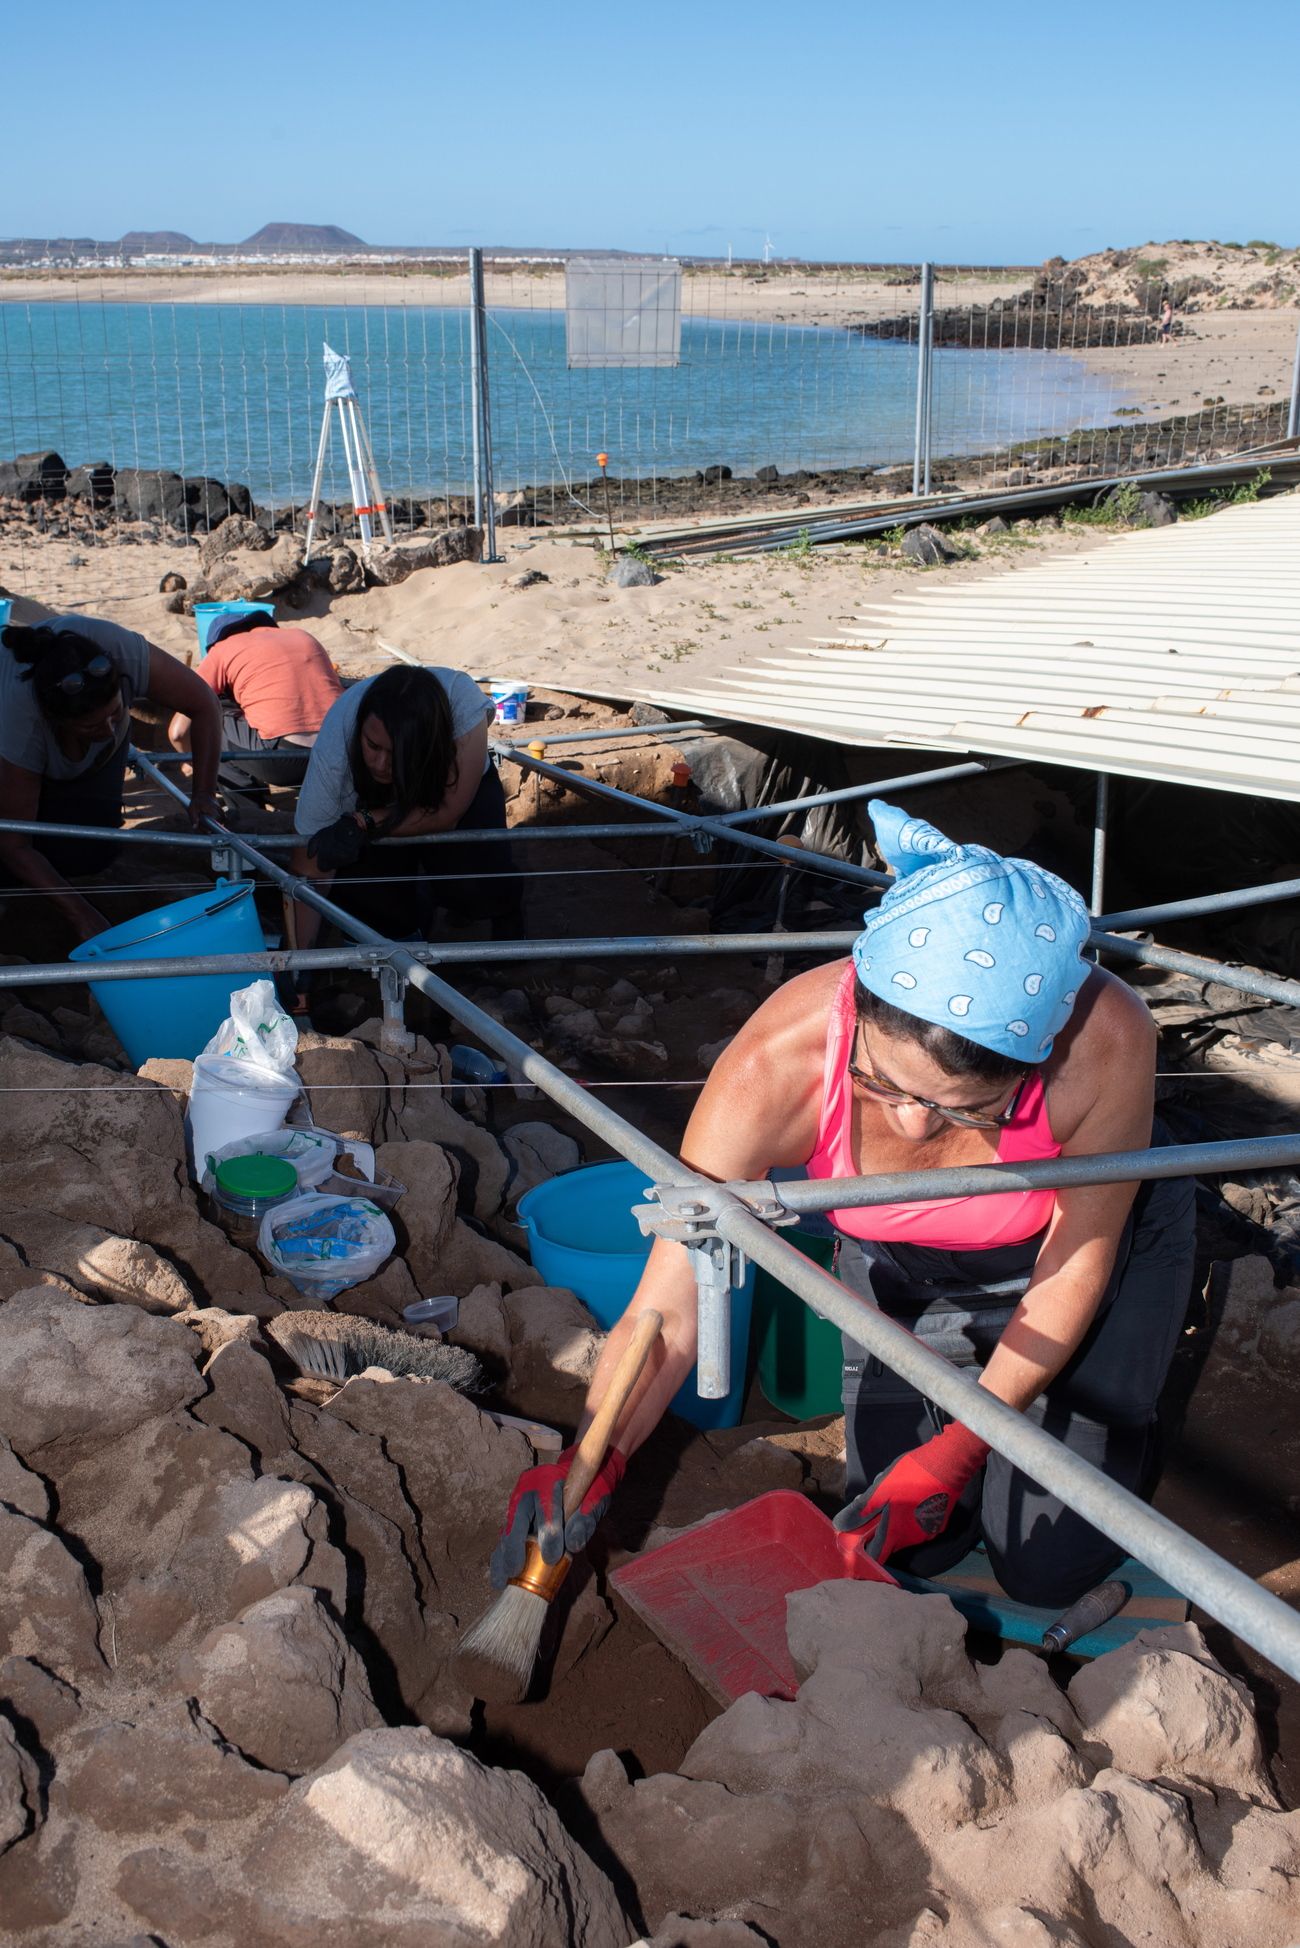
x,y
246,1188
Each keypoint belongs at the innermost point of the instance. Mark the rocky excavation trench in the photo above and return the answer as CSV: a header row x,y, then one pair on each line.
x,y
229,1595
229,1598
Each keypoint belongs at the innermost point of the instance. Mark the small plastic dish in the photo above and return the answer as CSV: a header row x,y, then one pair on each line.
x,y
441,1313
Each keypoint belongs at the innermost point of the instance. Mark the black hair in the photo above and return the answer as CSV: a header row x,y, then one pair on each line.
x,y
955,1055
240,625
52,656
412,706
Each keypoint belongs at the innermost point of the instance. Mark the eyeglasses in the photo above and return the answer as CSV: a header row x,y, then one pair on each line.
x,y
92,672
875,1085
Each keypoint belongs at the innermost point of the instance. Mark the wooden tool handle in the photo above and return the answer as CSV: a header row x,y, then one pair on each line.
x,y
591,1448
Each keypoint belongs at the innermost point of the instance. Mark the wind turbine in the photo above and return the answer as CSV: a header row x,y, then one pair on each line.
x,y
768,248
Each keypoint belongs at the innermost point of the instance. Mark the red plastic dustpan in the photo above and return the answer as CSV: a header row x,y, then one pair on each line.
x,y
716,1595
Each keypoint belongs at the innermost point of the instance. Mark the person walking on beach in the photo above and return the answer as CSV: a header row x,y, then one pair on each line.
x,y
965,1028
275,687
1165,328
66,690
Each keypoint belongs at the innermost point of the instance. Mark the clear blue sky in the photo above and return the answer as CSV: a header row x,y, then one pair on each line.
x,y
962,132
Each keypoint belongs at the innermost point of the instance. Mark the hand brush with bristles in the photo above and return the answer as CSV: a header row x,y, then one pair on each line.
x,y
495,1659
338,1346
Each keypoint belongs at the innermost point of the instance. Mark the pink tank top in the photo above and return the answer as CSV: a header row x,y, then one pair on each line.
x,y
950,1223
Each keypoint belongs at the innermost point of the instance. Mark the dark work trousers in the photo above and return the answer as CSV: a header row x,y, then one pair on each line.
x,y
1102,1404
95,798
280,762
472,880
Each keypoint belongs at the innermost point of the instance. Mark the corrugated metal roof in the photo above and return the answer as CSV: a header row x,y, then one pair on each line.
x,y
1169,653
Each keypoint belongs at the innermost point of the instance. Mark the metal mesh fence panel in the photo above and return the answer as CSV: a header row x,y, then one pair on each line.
x,y
794,384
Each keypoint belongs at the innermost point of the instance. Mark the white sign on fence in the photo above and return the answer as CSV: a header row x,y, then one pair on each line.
x,y
623,311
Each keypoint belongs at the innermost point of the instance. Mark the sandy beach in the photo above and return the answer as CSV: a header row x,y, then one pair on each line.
x,y
571,630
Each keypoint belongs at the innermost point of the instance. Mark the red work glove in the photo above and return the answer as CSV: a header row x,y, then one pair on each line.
x,y
912,1499
537,1506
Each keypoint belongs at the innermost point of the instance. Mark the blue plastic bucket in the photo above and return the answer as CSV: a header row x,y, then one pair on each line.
x,y
206,613
175,1017
6,610
581,1233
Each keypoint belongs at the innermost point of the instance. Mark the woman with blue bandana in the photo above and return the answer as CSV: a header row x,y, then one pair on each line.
x,y
966,1028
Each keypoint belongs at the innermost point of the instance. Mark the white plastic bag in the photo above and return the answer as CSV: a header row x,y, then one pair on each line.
x,y
315,1264
312,1153
257,1030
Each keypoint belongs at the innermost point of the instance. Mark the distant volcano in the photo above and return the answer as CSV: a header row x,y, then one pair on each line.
x,y
153,243
302,236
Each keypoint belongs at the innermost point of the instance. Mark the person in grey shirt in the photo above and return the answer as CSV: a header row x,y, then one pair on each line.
x,y
403,754
66,690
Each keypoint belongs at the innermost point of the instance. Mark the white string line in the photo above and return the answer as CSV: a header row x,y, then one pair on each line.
x,y
145,1084
545,416
412,879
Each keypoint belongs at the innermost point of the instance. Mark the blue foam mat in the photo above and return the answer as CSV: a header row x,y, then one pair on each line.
x,y
976,1592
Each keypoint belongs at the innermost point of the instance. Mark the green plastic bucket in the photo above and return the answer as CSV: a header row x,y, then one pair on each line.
x,y
800,1356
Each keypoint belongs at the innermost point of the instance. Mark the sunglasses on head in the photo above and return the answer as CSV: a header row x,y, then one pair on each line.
x,y
75,681
874,1085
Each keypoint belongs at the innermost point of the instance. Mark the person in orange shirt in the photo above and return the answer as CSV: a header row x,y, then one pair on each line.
x,y
274,686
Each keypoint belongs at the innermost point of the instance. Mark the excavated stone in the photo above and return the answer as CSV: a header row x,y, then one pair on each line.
x,y
483,1165
187,1535
158,1771
34,1696
91,1146
93,1261
173,1074
75,1376
806,1870
382,1297
216,1328
345,1086
244,1400
281,1682
46,1608
684,1931
426,1216
861,1722
20,1787
16,1275
402,1825
537,1152
483,1325
396,1601
554,1346
20,1489
1160,1713
469,1259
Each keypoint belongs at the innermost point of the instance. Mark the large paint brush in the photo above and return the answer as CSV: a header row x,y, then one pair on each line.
x,y
495,1659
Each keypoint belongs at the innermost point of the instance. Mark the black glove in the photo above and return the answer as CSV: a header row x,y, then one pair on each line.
x,y
340,844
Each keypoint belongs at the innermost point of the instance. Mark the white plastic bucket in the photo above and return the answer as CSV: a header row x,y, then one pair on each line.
x,y
510,700
230,1099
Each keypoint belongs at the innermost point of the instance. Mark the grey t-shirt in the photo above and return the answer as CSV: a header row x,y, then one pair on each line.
x,y
327,790
26,736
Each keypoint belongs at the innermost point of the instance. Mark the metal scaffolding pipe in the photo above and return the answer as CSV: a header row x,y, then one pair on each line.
x,y
1251,1613
1143,916
948,774
1269,987
1260,1619
285,841
1246,1154
1245,980
472,953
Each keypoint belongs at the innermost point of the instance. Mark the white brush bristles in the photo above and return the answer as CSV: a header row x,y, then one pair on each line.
x,y
503,1644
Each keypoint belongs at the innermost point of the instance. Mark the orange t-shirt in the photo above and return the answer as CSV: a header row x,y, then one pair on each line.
x,y
281,679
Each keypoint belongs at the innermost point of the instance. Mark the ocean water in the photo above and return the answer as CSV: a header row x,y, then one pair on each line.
x,y
236,392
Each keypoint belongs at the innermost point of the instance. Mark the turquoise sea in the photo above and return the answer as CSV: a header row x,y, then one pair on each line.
x,y
236,392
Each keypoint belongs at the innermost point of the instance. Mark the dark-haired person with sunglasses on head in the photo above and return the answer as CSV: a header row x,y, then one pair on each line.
x,y
966,1028
66,690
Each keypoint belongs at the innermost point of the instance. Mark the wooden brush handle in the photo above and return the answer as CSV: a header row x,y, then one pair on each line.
x,y
591,1448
